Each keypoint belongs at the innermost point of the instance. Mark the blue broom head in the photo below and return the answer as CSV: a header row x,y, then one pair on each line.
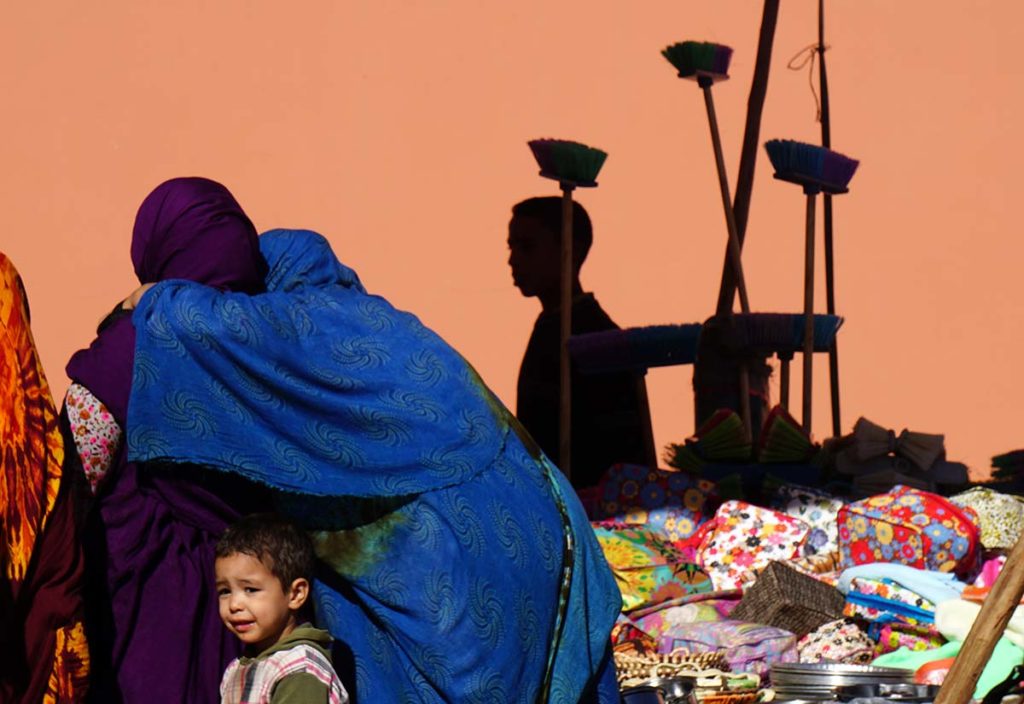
x,y
810,164
775,333
567,161
699,58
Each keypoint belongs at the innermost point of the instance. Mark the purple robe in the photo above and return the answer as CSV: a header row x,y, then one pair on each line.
x,y
152,616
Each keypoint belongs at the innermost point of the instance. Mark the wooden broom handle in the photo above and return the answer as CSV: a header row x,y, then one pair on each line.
x,y
735,254
808,312
751,145
564,368
958,687
826,211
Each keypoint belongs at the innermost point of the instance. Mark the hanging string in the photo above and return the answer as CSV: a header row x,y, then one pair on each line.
x,y
806,57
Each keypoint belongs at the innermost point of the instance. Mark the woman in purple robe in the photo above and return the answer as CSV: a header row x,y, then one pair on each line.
x,y
152,619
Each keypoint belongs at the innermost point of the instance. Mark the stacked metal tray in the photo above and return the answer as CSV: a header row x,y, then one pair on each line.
x,y
821,682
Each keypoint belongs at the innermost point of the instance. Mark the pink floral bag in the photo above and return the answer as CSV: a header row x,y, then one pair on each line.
x,y
837,641
745,538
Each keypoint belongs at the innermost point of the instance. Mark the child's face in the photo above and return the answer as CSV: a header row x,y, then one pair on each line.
x,y
253,604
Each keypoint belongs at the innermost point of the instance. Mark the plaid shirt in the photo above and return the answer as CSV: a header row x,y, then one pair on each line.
x,y
252,681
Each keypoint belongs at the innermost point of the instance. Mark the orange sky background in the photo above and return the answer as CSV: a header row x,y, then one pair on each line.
x,y
398,129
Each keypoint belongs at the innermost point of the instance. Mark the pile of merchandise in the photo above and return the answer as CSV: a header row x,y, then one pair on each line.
x,y
727,569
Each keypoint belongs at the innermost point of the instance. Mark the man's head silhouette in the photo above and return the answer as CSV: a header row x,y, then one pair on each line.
x,y
534,243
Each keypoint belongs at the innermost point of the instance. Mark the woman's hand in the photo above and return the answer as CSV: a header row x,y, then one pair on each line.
x,y
133,300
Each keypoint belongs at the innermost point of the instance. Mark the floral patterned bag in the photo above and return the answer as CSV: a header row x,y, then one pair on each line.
x,y
748,647
816,508
899,617
910,527
885,600
1001,516
746,538
671,504
837,641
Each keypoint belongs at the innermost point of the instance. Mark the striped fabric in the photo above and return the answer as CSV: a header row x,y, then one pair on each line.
x,y
252,681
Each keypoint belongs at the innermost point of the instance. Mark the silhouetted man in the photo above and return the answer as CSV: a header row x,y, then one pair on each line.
x,y
609,419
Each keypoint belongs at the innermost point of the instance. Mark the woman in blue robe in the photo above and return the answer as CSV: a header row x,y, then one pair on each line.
x,y
456,563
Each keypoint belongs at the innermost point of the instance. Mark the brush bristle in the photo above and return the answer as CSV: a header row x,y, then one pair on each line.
x,y
783,439
690,58
831,170
722,438
564,160
784,332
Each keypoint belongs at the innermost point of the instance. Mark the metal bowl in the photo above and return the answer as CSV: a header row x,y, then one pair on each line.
x,y
643,694
676,690
834,675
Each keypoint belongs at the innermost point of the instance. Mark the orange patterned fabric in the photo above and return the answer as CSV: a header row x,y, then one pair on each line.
x,y
31,450
68,679
39,559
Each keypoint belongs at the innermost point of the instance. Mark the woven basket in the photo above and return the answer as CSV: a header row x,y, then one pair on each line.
x,y
633,666
788,599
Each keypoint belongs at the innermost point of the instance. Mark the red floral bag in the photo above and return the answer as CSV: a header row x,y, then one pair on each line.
x,y
910,527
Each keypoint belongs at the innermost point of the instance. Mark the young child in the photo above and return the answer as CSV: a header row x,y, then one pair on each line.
x,y
263,569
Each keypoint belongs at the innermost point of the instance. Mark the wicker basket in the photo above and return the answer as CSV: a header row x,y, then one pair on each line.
x,y
633,666
786,598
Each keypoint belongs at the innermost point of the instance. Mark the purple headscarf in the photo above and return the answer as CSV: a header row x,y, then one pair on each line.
x,y
187,228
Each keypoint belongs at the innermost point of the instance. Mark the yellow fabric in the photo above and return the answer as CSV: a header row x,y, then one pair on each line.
x,y
31,449
69,677
31,459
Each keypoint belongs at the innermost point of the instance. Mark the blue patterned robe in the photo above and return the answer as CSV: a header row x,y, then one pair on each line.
x,y
458,564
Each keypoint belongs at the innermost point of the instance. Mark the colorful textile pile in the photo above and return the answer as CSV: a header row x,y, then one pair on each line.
x,y
901,572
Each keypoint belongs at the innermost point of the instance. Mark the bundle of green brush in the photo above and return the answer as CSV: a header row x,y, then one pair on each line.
x,y
722,440
568,161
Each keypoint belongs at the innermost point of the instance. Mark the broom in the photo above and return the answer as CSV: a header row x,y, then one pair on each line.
x,y
573,165
817,170
706,63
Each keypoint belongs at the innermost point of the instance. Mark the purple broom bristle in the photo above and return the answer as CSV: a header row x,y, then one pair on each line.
x,y
723,55
838,169
832,169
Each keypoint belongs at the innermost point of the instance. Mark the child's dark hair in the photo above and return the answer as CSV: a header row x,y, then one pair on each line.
x,y
278,543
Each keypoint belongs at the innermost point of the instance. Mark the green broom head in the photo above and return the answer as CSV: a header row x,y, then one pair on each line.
x,y
783,439
810,165
722,438
695,59
568,162
682,457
